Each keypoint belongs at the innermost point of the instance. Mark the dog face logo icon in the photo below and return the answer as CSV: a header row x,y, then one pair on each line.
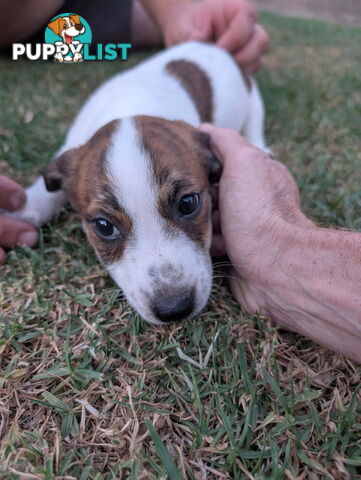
x,y
67,27
68,32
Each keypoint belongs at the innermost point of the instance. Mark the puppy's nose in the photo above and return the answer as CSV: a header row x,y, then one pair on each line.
x,y
173,308
79,26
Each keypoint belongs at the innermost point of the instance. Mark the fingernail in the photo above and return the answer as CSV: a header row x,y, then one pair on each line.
x,y
17,200
28,238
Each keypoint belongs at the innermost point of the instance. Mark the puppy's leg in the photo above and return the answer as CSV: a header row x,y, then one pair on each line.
x,y
253,129
41,206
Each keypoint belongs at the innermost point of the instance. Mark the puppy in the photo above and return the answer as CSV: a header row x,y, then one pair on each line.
x,y
136,168
67,28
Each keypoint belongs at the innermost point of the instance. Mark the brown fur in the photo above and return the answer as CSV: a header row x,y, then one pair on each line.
x,y
178,154
82,173
196,82
57,25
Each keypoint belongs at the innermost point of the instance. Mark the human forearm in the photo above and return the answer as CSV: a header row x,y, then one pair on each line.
x,y
305,278
24,18
314,288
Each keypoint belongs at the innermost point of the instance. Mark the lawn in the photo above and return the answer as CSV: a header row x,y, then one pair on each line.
x,y
90,391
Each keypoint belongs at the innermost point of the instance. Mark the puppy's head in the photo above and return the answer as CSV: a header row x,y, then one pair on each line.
x,y
141,186
67,27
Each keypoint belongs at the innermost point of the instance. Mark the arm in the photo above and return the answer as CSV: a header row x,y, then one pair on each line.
x,y
313,287
22,18
306,278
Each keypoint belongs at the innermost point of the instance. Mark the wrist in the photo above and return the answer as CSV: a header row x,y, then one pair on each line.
x,y
313,288
293,243
284,254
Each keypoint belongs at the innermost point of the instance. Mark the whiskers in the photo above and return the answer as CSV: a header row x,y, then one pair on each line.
x,y
222,264
226,276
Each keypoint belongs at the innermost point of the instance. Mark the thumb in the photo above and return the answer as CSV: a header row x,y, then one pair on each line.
x,y
224,142
16,233
187,29
12,195
200,28
184,33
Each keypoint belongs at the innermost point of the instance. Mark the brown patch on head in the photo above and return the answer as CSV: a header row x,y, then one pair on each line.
x,y
178,154
81,173
197,83
109,251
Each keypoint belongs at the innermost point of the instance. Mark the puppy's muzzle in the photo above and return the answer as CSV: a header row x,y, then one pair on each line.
x,y
173,308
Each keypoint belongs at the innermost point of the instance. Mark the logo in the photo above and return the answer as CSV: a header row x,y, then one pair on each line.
x,y
68,38
68,33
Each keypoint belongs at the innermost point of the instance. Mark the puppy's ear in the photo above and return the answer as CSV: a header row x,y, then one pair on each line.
x,y
61,173
55,25
60,170
213,165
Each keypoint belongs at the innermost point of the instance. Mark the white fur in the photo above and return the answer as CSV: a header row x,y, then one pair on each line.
x,y
148,89
150,247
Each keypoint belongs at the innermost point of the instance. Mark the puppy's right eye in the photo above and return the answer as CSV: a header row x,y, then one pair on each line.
x,y
105,229
189,204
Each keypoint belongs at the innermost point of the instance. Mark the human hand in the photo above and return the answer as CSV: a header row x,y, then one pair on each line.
x,y
258,205
13,232
232,24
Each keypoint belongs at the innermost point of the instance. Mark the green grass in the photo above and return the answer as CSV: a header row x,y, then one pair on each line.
x,y
89,391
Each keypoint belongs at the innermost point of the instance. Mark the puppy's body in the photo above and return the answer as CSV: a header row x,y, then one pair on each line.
x,y
134,171
157,88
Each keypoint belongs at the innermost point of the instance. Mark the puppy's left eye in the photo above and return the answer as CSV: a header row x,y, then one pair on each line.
x,y
105,229
189,204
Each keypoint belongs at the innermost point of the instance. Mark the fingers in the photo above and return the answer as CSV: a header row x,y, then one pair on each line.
x,y
253,68
196,26
253,50
12,195
15,233
224,141
239,30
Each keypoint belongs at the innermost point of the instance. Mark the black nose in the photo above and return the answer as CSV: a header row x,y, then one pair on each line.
x,y
79,26
173,308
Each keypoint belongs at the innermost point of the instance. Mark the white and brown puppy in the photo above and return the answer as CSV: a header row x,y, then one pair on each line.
x,y
68,28
136,168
